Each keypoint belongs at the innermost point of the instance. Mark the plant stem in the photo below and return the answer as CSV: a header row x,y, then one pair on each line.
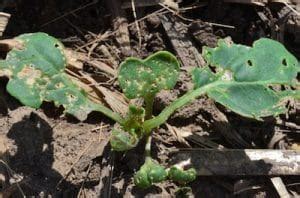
x,y
109,113
183,100
149,106
148,146
149,100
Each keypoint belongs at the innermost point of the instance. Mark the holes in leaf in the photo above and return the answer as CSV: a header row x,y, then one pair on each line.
x,y
249,63
284,62
127,82
59,85
213,69
71,97
56,45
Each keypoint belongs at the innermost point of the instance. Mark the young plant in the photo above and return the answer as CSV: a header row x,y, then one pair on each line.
x,y
35,68
239,77
144,79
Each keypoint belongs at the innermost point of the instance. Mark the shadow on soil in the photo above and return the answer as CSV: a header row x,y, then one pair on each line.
x,y
34,158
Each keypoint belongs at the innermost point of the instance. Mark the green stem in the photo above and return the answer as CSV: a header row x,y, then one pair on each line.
x,y
149,100
183,100
109,113
148,146
149,106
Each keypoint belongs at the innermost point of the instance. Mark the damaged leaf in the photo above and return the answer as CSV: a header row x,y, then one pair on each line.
x,y
128,135
36,74
248,75
141,78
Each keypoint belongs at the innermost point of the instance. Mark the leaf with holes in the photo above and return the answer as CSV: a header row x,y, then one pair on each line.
x,y
134,120
36,72
247,74
121,140
128,135
247,80
143,78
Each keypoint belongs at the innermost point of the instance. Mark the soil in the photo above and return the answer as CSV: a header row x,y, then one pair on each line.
x,y
49,153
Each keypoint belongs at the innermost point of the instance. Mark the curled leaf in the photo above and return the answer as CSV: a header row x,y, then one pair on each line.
x,y
122,140
182,176
151,172
134,120
127,136
141,78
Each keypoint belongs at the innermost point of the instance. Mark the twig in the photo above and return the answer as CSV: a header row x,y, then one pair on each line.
x,y
287,124
247,189
10,171
280,187
160,11
136,23
291,8
192,20
68,13
87,174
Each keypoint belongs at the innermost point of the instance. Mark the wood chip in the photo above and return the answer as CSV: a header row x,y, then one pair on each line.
x,y
178,134
74,59
249,162
182,44
77,59
103,67
104,50
8,44
3,157
255,2
115,100
144,3
120,24
280,187
4,18
3,147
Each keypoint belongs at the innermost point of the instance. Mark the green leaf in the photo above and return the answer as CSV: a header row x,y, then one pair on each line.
x,y
134,120
122,140
248,100
247,75
182,176
241,78
151,172
141,78
36,72
128,135
203,76
267,61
